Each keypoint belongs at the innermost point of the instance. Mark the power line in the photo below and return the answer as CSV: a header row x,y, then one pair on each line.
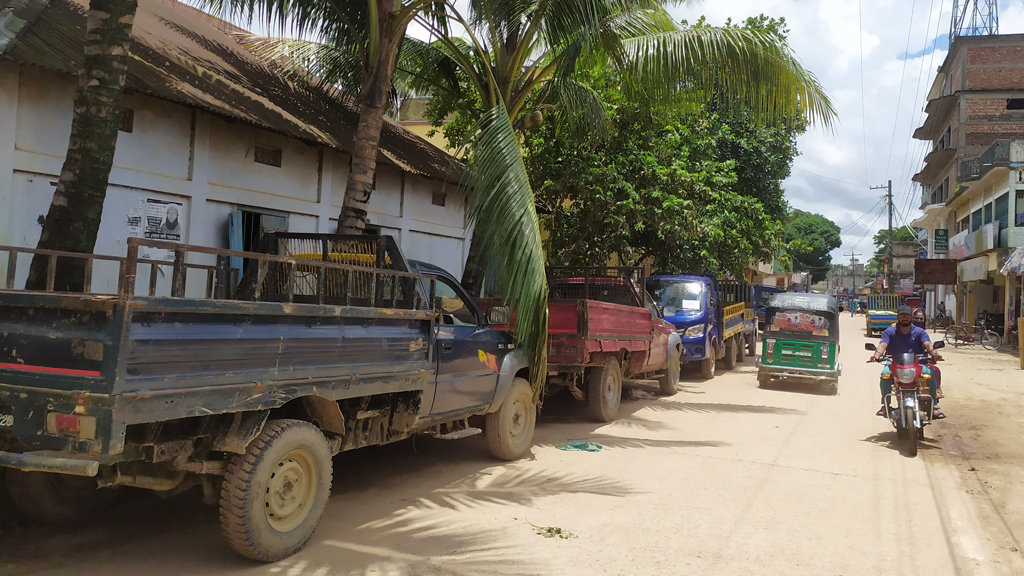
x,y
899,97
863,114
829,178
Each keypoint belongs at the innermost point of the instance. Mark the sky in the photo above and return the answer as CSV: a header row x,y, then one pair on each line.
x,y
899,44
876,59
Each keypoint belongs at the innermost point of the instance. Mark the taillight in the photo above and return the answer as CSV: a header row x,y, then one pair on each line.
x,y
824,354
771,348
74,425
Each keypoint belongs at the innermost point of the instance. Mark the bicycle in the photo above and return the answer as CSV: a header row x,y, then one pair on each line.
x,y
940,321
964,335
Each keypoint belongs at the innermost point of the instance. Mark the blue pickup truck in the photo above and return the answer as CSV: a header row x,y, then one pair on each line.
x,y
714,320
247,388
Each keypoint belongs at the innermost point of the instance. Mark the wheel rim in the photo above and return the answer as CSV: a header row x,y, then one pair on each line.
x,y
518,420
610,392
291,490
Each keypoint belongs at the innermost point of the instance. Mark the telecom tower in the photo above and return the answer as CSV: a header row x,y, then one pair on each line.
x,y
974,18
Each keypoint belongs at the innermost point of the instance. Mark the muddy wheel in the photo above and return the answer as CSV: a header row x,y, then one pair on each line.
x,y
911,432
730,353
752,347
509,429
274,494
707,365
604,391
670,379
45,498
741,349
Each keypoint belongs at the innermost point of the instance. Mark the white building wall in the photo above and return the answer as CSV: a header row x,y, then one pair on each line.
x,y
205,162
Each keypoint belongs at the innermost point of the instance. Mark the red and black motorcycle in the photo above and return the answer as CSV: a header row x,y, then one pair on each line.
x,y
914,407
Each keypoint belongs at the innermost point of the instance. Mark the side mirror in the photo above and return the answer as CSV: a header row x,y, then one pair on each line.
x,y
869,347
497,315
937,345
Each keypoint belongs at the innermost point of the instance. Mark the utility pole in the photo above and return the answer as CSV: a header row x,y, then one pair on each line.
x,y
888,243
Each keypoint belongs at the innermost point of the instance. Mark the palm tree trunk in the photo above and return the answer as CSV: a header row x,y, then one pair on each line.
x,y
73,220
373,101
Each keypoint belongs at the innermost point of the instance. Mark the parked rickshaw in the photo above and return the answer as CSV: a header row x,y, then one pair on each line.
x,y
801,341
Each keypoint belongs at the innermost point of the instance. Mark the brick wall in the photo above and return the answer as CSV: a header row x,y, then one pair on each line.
x,y
995,67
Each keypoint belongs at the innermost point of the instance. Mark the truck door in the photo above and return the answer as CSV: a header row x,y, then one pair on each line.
x,y
659,336
467,361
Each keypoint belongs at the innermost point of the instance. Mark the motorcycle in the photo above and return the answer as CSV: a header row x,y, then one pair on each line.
x,y
914,407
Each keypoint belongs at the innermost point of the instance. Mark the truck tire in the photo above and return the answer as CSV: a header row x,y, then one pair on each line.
x,y
46,498
274,495
752,347
670,379
730,353
509,429
604,391
707,365
741,348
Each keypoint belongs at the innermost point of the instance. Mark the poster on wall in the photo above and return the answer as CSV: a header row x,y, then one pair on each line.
x,y
155,219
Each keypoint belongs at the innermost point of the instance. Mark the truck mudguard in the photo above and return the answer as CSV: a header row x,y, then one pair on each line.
x,y
513,362
674,341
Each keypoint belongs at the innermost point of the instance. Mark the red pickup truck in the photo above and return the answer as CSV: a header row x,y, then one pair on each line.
x,y
603,327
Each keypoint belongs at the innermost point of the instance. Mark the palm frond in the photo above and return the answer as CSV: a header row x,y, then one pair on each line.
x,y
502,208
321,65
580,110
752,67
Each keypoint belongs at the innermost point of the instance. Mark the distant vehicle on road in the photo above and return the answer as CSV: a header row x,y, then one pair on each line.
x,y
881,311
604,328
801,341
714,320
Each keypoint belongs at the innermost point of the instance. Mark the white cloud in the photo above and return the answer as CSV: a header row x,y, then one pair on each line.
x,y
866,149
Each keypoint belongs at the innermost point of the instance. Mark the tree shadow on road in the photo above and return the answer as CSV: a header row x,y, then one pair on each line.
x,y
722,408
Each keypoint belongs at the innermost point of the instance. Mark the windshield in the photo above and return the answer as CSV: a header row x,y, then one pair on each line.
x,y
800,322
677,295
904,359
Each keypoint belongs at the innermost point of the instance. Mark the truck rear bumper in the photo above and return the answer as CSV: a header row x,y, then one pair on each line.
x,y
47,461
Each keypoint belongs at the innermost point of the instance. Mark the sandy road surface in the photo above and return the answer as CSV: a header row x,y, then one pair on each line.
x,y
723,478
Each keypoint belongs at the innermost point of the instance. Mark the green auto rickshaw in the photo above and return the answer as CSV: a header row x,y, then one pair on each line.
x,y
801,341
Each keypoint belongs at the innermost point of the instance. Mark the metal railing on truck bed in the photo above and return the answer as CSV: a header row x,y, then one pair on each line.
x,y
612,284
297,327
304,268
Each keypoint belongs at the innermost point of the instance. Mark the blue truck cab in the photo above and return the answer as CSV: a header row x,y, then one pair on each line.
x,y
708,316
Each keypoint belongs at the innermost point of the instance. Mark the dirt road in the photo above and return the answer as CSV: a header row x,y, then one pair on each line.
x,y
723,478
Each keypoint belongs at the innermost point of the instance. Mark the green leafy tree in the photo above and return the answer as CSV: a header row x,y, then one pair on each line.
x,y
520,60
659,187
810,239
882,239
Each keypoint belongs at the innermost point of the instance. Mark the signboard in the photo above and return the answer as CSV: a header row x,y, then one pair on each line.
x,y
906,286
922,254
156,219
973,269
935,271
966,244
941,240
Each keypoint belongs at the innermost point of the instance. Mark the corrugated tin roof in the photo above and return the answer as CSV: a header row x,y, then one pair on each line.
x,y
183,55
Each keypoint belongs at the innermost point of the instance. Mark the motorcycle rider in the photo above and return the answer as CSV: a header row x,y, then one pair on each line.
x,y
899,339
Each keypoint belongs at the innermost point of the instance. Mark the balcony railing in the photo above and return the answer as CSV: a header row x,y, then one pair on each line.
x,y
998,154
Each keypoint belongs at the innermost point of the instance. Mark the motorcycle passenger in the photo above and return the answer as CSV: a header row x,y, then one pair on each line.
x,y
899,339
919,321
